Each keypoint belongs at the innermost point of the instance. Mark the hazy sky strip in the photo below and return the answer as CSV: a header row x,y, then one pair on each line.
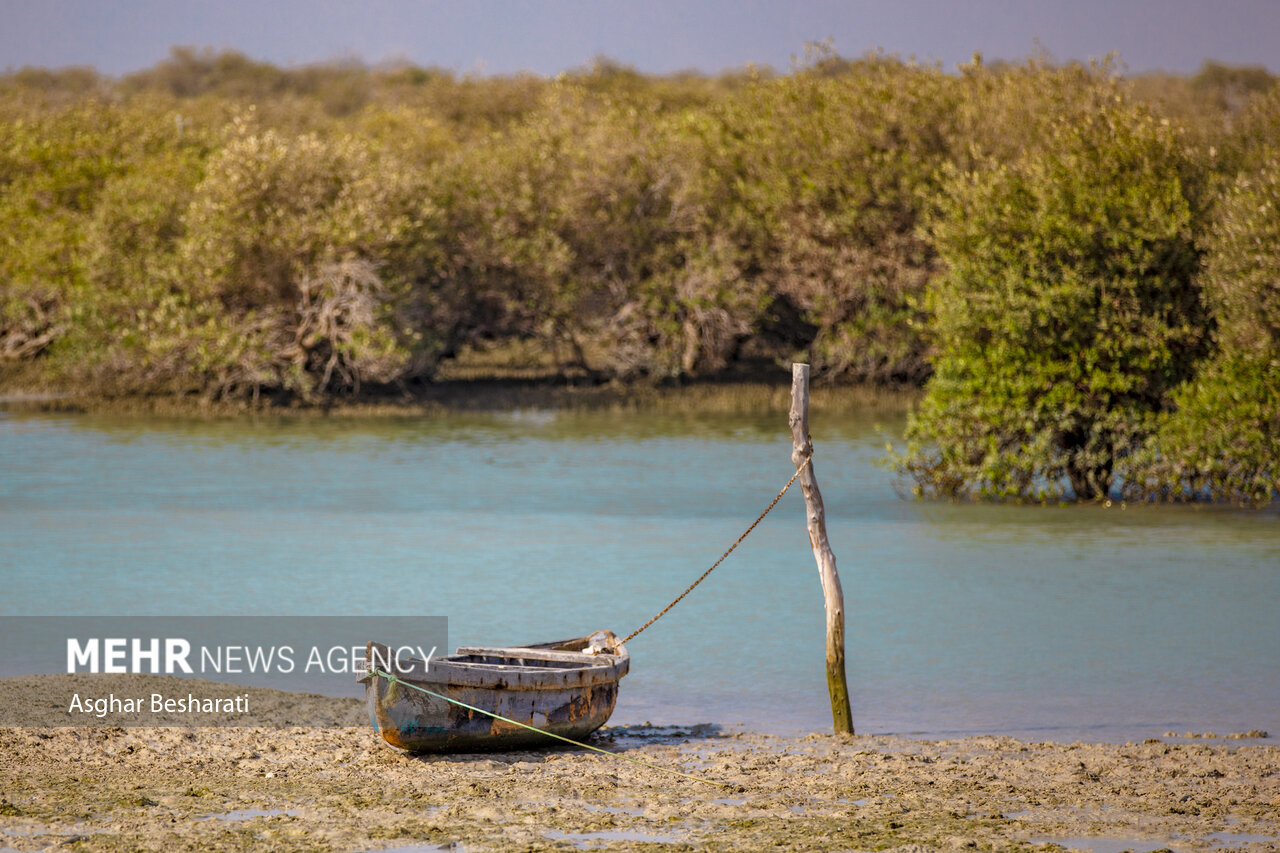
x,y
549,36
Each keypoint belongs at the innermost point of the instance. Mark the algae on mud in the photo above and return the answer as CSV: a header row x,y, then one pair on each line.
x,y
110,788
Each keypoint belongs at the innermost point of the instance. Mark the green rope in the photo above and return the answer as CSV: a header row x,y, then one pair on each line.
x,y
394,680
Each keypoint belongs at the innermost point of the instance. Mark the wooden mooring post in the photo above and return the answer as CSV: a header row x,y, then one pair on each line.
x,y
841,715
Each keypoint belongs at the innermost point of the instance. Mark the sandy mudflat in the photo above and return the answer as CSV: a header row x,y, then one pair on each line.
x,y
340,788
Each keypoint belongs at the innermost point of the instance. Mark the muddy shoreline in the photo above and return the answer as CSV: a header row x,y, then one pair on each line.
x,y
468,394
341,788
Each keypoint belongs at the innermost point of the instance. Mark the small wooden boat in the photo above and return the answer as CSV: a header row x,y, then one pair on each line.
x,y
567,688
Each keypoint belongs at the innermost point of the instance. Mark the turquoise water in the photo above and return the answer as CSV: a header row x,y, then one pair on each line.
x,y
1051,623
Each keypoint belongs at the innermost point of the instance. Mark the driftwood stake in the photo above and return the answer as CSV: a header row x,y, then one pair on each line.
x,y
841,715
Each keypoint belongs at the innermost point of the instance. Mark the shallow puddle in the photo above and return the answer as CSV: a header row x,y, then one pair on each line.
x,y
1105,844
1232,839
249,814
587,840
633,812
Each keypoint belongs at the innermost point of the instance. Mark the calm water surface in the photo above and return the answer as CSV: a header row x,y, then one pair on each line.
x,y
1049,623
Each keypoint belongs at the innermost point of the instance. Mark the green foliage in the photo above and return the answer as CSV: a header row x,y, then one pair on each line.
x,y
671,276
189,72
1209,104
1005,110
1066,313
61,171
1232,85
500,209
281,239
1221,444
578,228
1028,234
1242,274
1255,134
125,261
1223,440
832,226
270,208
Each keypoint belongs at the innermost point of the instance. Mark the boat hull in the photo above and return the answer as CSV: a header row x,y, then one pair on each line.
x,y
551,687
